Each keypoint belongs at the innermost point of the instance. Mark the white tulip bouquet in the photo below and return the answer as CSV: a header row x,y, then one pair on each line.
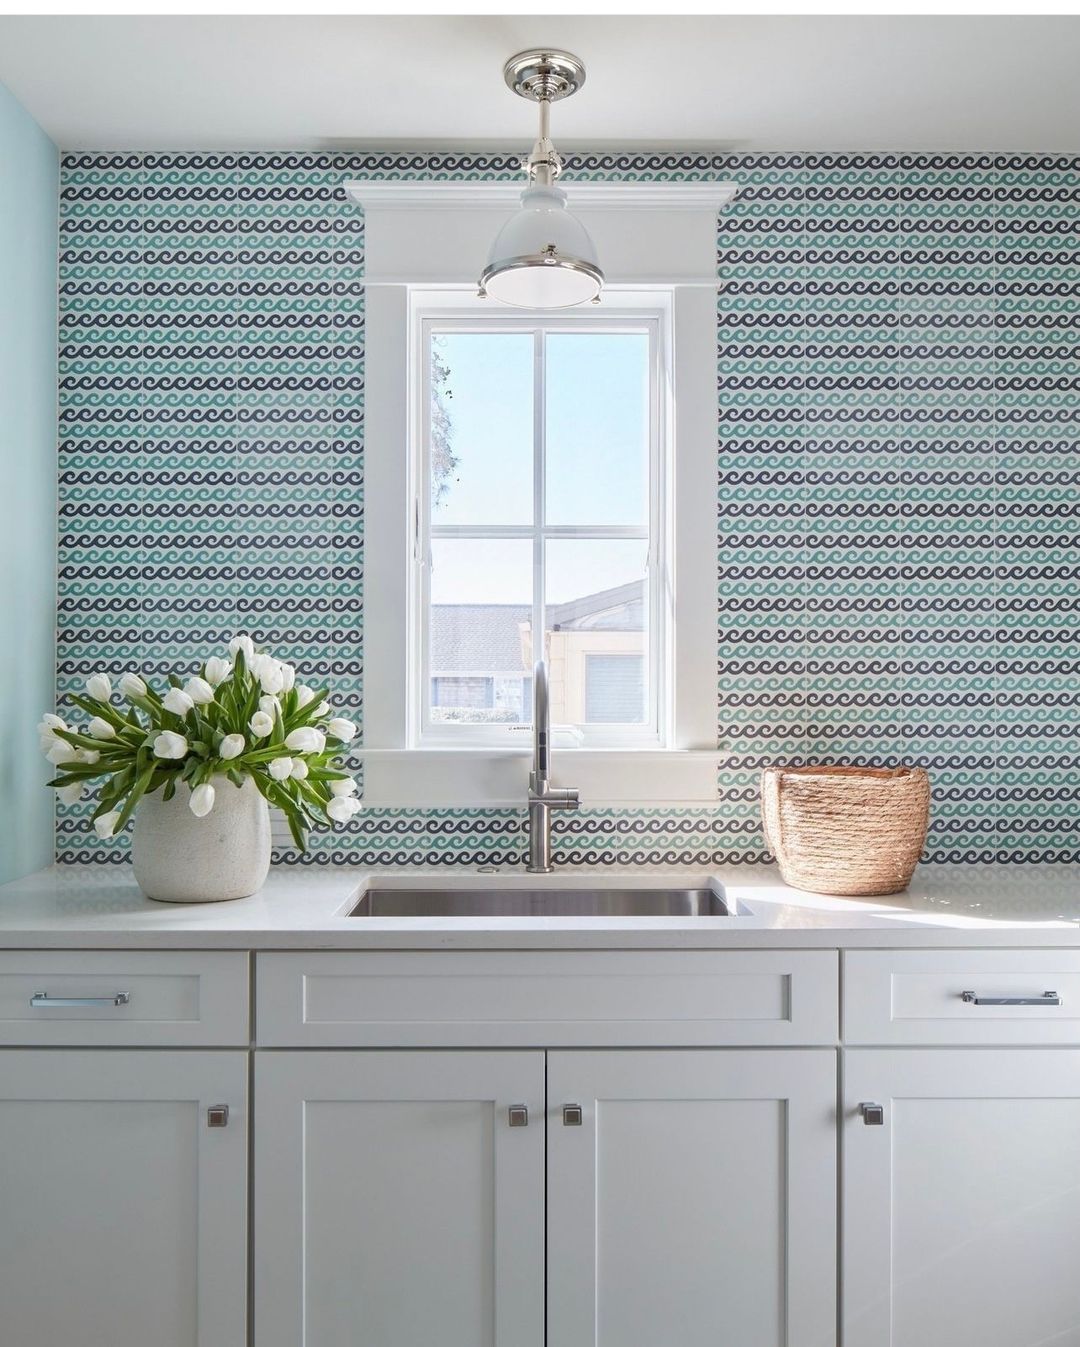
x,y
241,717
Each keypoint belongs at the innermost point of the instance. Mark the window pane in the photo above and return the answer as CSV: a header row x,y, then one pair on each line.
x,y
480,630
481,428
597,428
596,627
614,688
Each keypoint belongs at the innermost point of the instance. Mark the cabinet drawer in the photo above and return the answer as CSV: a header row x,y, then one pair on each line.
x,y
547,999
123,998
961,997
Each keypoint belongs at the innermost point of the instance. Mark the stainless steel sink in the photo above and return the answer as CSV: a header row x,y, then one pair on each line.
x,y
541,902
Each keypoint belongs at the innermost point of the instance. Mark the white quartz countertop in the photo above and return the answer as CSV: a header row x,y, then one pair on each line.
x,y
302,907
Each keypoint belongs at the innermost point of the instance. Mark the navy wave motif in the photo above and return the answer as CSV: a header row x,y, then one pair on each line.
x,y
868,257
104,194
879,233
116,224
735,256
885,319
745,666
777,636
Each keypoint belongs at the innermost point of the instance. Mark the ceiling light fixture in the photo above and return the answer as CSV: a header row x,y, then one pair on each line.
x,y
543,257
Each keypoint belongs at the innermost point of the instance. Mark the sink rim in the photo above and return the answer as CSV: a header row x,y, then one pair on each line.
x,y
482,893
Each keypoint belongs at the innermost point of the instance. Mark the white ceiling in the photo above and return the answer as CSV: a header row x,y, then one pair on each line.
x,y
756,83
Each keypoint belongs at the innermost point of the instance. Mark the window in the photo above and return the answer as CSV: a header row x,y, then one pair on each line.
x,y
423,246
539,501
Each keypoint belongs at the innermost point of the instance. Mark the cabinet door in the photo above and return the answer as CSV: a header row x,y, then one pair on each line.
x,y
395,1205
123,1215
695,1203
962,1208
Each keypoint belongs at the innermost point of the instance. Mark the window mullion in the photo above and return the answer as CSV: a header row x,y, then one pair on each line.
x,y
482,531
616,531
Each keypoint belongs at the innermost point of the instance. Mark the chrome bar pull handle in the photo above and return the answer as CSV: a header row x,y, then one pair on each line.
x,y
43,1001
873,1115
518,1115
1046,999
571,1115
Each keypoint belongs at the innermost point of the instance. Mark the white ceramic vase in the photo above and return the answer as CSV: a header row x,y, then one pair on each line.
x,y
179,858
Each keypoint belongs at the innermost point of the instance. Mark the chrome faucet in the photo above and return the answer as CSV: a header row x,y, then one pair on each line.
x,y
543,798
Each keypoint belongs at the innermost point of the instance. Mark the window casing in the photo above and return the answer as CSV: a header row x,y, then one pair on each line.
x,y
506,696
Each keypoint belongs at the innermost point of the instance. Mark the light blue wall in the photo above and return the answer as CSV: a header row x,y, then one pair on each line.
x,y
29,178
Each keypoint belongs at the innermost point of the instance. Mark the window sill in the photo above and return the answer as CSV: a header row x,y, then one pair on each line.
x,y
444,778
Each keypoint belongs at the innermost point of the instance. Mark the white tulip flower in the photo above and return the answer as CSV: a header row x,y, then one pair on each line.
x,y
342,729
105,824
341,808
99,687
271,677
131,685
304,695
244,643
71,794
170,745
288,676
269,704
61,752
261,724
88,755
202,800
323,709
306,739
341,788
101,729
199,690
177,701
217,670
281,768
47,727
299,770
232,746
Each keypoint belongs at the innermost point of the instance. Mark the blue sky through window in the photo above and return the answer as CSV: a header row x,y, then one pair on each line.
x,y
597,436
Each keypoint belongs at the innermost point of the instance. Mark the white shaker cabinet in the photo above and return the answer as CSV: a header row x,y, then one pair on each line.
x,y
399,1199
123,1200
962,1198
692,1198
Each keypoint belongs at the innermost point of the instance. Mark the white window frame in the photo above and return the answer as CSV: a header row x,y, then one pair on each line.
x,y
649,313
651,236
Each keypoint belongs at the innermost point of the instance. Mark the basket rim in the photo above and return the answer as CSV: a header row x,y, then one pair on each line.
x,y
848,772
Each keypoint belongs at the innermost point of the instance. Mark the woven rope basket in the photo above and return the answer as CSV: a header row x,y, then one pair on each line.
x,y
846,830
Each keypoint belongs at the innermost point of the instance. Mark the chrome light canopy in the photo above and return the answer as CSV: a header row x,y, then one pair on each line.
x,y
543,257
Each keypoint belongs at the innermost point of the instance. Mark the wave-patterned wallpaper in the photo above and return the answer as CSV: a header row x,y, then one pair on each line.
x,y
898,513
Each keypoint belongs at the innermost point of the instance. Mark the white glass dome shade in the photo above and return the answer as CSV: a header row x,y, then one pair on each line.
x,y
543,257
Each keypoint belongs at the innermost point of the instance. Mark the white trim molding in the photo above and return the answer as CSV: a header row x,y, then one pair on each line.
x,y
391,194
449,778
435,235
439,233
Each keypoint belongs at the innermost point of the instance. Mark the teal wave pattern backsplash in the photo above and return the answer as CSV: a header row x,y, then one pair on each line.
x,y
898,463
